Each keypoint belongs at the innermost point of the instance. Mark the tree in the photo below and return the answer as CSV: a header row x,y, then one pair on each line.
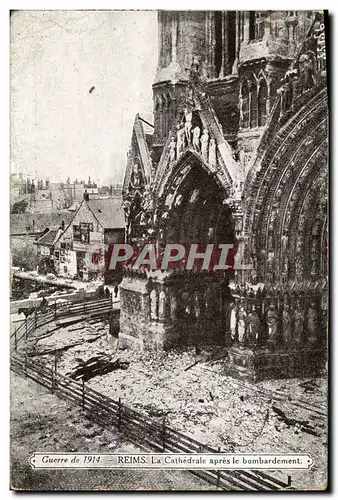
x,y
24,254
20,207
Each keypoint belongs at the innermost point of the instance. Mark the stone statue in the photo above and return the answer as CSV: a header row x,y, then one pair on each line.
x,y
172,150
173,306
233,322
205,144
254,327
136,177
242,318
153,304
312,322
196,138
162,305
188,125
180,135
306,69
272,318
197,305
212,154
284,242
299,323
287,325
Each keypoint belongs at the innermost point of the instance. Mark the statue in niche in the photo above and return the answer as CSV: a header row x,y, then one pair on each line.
x,y
212,154
233,321
178,200
172,150
242,324
254,326
153,165
188,125
196,138
272,318
136,180
298,323
180,142
162,305
205,144
307,71
194,72
173,306
312,322
197,305
285,239
287,325
194,196
153,304
186,302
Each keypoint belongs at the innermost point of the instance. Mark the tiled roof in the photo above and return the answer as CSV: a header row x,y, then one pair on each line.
x,y
48,238
28,223
108,211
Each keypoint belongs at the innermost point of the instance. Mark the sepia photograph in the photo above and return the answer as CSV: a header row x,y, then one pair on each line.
x,y
169,250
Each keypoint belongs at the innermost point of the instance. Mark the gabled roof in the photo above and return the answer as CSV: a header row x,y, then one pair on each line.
x,y
139,147
108,212
21,224
49,238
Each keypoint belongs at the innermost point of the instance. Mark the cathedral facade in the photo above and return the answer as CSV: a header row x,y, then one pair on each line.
x,y
238,155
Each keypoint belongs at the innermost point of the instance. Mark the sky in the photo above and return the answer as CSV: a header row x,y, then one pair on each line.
x,y
58,127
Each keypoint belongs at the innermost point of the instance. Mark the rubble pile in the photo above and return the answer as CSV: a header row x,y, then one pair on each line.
x,y
194,396
62,339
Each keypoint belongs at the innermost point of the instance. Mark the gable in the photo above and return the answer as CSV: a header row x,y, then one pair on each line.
x,y
138,169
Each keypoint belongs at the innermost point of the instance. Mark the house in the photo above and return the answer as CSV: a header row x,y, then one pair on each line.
x,y
45,249
79,251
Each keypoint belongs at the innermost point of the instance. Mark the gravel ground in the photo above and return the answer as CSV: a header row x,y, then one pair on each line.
x,y
203,402
42,422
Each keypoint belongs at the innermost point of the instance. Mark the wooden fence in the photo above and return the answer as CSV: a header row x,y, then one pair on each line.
x,y
40,317
138,427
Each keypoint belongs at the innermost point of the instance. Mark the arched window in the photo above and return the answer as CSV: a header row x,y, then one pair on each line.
x,y
262,98
245,105
253,105
218,43
231,22
157,116
252,25
164,117
260,25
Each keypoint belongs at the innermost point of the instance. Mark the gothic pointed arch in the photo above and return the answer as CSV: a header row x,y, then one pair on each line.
x,y
262,102
138,170
244,104
287,196
197,131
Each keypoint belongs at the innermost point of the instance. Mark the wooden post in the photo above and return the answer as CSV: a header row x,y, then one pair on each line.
x,y
289,480
163,434
83,394
25,366
218,472
26,332
54,373
119,415
15,340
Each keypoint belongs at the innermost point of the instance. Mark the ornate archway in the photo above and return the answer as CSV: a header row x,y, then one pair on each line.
x,y
280,309
193,210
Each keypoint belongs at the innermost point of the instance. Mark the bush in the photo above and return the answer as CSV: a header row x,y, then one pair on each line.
x,y
24,253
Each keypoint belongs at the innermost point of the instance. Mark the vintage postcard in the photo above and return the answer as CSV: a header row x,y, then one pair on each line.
x,y
169,250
